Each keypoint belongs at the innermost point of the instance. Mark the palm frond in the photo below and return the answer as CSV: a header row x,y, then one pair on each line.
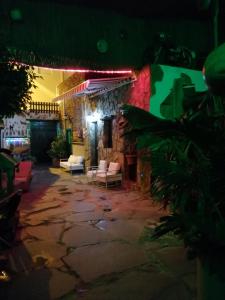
x,y
187,171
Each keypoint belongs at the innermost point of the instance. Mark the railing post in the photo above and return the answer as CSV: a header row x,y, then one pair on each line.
x,y
44,107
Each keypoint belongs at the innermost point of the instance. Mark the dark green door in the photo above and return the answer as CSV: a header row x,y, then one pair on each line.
x,y
41,135
69,140
94,143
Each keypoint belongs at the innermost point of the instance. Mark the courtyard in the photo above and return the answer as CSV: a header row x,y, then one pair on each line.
x,y
79,241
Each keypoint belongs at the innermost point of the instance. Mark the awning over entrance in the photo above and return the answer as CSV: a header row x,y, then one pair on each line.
x,y
95,87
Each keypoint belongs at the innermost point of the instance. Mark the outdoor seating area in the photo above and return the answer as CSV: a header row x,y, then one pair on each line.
x,y
73,163
103,176
112,145
23,175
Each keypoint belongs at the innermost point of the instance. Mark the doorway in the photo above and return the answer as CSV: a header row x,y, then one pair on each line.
x,y
94,143
69,140
42,134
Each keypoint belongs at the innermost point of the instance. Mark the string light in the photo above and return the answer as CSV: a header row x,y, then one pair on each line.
x,y
82,70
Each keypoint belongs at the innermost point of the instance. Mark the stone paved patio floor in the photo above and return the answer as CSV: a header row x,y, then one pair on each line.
x,y
78,241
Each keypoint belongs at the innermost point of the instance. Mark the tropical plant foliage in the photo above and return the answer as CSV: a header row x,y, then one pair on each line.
x,y
16,81
58,147
188,171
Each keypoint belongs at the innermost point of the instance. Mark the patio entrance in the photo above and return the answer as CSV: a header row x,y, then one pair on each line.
x,y
42,133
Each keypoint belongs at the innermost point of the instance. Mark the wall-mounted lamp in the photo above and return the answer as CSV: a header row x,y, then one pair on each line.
x,y
95,117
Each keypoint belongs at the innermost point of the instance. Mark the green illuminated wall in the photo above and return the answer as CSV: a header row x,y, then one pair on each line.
x,y
166,89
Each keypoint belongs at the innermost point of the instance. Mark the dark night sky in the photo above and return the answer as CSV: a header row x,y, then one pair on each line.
x,y
153,8
158,13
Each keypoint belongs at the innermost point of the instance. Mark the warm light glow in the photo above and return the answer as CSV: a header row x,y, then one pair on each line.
x,y
83,70
95,117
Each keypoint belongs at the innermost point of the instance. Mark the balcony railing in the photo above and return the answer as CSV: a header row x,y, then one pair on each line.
x,y
43,107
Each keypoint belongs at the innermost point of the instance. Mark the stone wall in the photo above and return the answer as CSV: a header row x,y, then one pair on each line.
x,y
108,105
83,114
72,109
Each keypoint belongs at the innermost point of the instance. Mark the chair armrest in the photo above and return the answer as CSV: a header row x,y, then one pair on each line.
x,y
101,172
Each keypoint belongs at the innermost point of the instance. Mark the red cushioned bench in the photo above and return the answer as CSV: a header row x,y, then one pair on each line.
x,y
23,175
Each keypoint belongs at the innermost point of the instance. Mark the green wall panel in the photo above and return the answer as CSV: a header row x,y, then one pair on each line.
x,y
167,81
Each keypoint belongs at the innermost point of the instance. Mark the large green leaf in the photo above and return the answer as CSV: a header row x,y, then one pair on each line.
x,y
188,171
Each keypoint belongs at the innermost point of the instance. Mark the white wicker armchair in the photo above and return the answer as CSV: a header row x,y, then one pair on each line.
x,y
73,163
92,171
111,177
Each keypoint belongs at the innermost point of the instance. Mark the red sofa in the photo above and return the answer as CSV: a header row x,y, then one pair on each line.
x,y
23,175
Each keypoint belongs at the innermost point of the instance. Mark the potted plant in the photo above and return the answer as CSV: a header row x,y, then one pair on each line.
x,y
131,159
58,150
188,176
130,150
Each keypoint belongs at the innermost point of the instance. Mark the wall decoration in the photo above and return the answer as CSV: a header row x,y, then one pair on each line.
x,y
15,126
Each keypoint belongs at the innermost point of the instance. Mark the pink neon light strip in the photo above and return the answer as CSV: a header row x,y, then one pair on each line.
x,y
83,70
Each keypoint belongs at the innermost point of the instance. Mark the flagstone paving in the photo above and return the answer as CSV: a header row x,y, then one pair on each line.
x,y
78,241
